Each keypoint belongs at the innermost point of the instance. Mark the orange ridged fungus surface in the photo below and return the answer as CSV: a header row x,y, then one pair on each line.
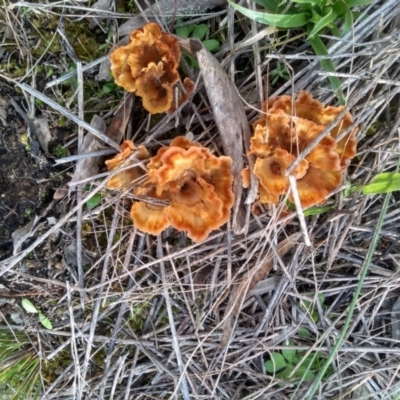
x,y
186,187
286,128
148,66
125,178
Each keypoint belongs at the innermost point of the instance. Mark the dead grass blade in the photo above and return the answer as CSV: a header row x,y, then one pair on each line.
x,y
251,278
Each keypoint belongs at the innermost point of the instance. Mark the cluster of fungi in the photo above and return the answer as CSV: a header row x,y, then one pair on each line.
x,y
148,66
184,185
285,129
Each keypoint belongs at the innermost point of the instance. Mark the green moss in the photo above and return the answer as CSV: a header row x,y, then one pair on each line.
x,y
60,151
84,41
99,357
374,128
139,312
53,368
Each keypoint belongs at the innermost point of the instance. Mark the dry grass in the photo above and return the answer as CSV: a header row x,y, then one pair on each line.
x,y
145,319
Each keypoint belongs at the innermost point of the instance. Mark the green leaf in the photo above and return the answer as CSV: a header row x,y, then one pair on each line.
x,y
312,2
284,374
385,182
211,45
276,363
45,321
270,4
28,306
348,23
340,8
316,210
192,60
183,32
304,374
278,20
289,354
321,298
109,87
304,333
94,201
311,361
315,316
353,3
306,304
200,31
323,22
327,64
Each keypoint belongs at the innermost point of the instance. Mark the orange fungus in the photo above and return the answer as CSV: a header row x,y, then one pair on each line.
x,y
127,176
185,187
148,66
286,128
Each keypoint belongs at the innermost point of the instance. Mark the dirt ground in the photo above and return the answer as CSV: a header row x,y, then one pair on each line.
x,y
26,184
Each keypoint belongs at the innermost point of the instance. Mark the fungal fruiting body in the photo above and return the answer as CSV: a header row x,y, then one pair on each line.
x,y
148,66
125,178
186,187
286,128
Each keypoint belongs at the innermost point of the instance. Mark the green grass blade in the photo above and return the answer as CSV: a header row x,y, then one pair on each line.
x,y
278,20
353,303
270,4
385,182
353,3
327,64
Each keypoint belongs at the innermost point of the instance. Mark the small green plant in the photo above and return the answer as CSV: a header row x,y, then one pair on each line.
x,y
109,87
280,72
95,200
290,365
27,212
309,306
19,366
197,32
139,312
60,151
317,16
30,308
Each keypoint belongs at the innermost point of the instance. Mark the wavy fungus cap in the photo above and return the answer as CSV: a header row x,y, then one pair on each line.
x,y
288,127
148,65
126,177
197,185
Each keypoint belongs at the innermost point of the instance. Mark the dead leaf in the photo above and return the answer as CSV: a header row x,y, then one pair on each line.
x,y
43,134
88,167
21,234
104,71
264,286
238,292
71,255
230,118
122,115
99,6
